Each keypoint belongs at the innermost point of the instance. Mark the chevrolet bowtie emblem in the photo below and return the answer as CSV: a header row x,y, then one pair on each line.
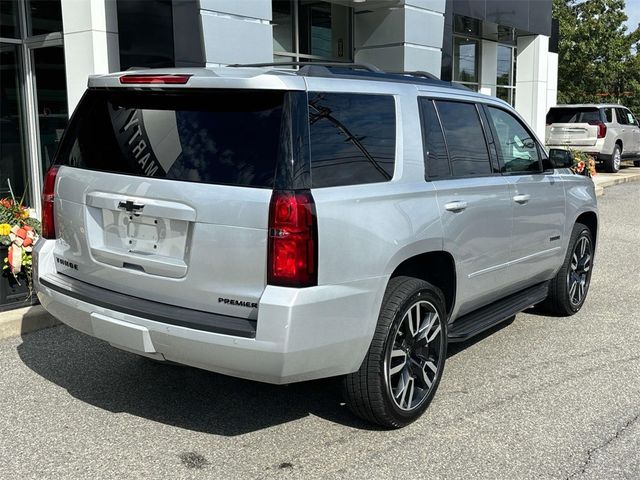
x,y
131,207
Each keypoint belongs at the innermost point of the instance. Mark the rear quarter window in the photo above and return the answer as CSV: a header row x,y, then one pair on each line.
x,y
352,138
436,158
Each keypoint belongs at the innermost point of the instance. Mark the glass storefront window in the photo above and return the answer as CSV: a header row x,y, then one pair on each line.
x,y
504,94
282,26
145,34
12,155
51,92
319,31
44,16
504,65
9,20
505,78
465,60
311,30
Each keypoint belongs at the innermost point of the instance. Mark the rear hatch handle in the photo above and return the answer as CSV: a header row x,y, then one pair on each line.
x,y
150,206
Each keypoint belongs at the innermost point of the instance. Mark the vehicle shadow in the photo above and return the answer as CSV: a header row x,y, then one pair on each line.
x,y
96,373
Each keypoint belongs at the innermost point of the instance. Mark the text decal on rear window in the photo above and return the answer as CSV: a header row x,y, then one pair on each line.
x,y
134,142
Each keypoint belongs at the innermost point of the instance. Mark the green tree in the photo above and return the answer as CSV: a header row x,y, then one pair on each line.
x,y
598,59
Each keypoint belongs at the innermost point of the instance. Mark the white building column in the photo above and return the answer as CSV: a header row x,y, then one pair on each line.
x,y
403,37
552,80
488,67
532,81
90,29
236,31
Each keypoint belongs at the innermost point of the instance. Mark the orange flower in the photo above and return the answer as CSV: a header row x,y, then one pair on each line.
x,y
6,203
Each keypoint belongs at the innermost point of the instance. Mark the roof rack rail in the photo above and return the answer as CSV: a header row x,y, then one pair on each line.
x,y
362,71
361,66
417,73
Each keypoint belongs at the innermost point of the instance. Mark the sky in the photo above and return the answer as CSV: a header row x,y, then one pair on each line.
x,y
632,9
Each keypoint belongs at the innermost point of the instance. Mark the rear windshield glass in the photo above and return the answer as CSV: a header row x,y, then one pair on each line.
x,y
222,137
573,115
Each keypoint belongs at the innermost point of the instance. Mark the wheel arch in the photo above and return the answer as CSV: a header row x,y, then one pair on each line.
x,y
590,219
437,268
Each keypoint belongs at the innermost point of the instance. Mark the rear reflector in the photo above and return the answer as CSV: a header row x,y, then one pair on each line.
x,y
48,223
161,79
293,240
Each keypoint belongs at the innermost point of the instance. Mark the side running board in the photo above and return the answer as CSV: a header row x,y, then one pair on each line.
x,y
484,318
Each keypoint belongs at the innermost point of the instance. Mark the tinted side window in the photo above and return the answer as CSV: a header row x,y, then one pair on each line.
x,y
621,114
608,115
353,138
436,159
465,139
516,148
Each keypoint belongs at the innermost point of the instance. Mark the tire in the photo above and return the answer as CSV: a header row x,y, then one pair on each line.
x,y
612,164
402,369
568,289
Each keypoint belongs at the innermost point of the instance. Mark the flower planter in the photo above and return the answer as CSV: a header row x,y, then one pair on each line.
x,y
14,294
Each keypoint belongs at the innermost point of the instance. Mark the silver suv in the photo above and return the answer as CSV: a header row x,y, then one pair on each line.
x,y
610,133
286,225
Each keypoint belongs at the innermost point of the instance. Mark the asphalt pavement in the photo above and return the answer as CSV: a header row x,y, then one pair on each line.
x,y
538,397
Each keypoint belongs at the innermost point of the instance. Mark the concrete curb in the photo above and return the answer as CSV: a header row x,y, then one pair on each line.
x,y
25,320
615,179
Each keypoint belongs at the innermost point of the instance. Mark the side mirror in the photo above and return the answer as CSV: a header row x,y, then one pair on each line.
x,y
560,158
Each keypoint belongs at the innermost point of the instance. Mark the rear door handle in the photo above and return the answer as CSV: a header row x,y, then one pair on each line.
x,y
521,199
456,206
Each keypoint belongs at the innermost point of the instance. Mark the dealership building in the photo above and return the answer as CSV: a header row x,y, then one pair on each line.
x,y
49,47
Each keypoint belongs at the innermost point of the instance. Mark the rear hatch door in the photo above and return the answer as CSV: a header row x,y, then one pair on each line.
x,y
165,195
575,126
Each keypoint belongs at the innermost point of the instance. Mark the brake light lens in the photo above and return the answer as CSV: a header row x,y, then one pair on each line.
x,y
602,129
293,240
170,79
48,223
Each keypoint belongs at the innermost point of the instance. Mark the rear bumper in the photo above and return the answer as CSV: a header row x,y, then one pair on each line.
x,y
590,149
300,334
598,150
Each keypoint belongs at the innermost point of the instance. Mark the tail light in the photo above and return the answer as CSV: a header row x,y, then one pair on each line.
x,y
48,223
293,240
602,129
